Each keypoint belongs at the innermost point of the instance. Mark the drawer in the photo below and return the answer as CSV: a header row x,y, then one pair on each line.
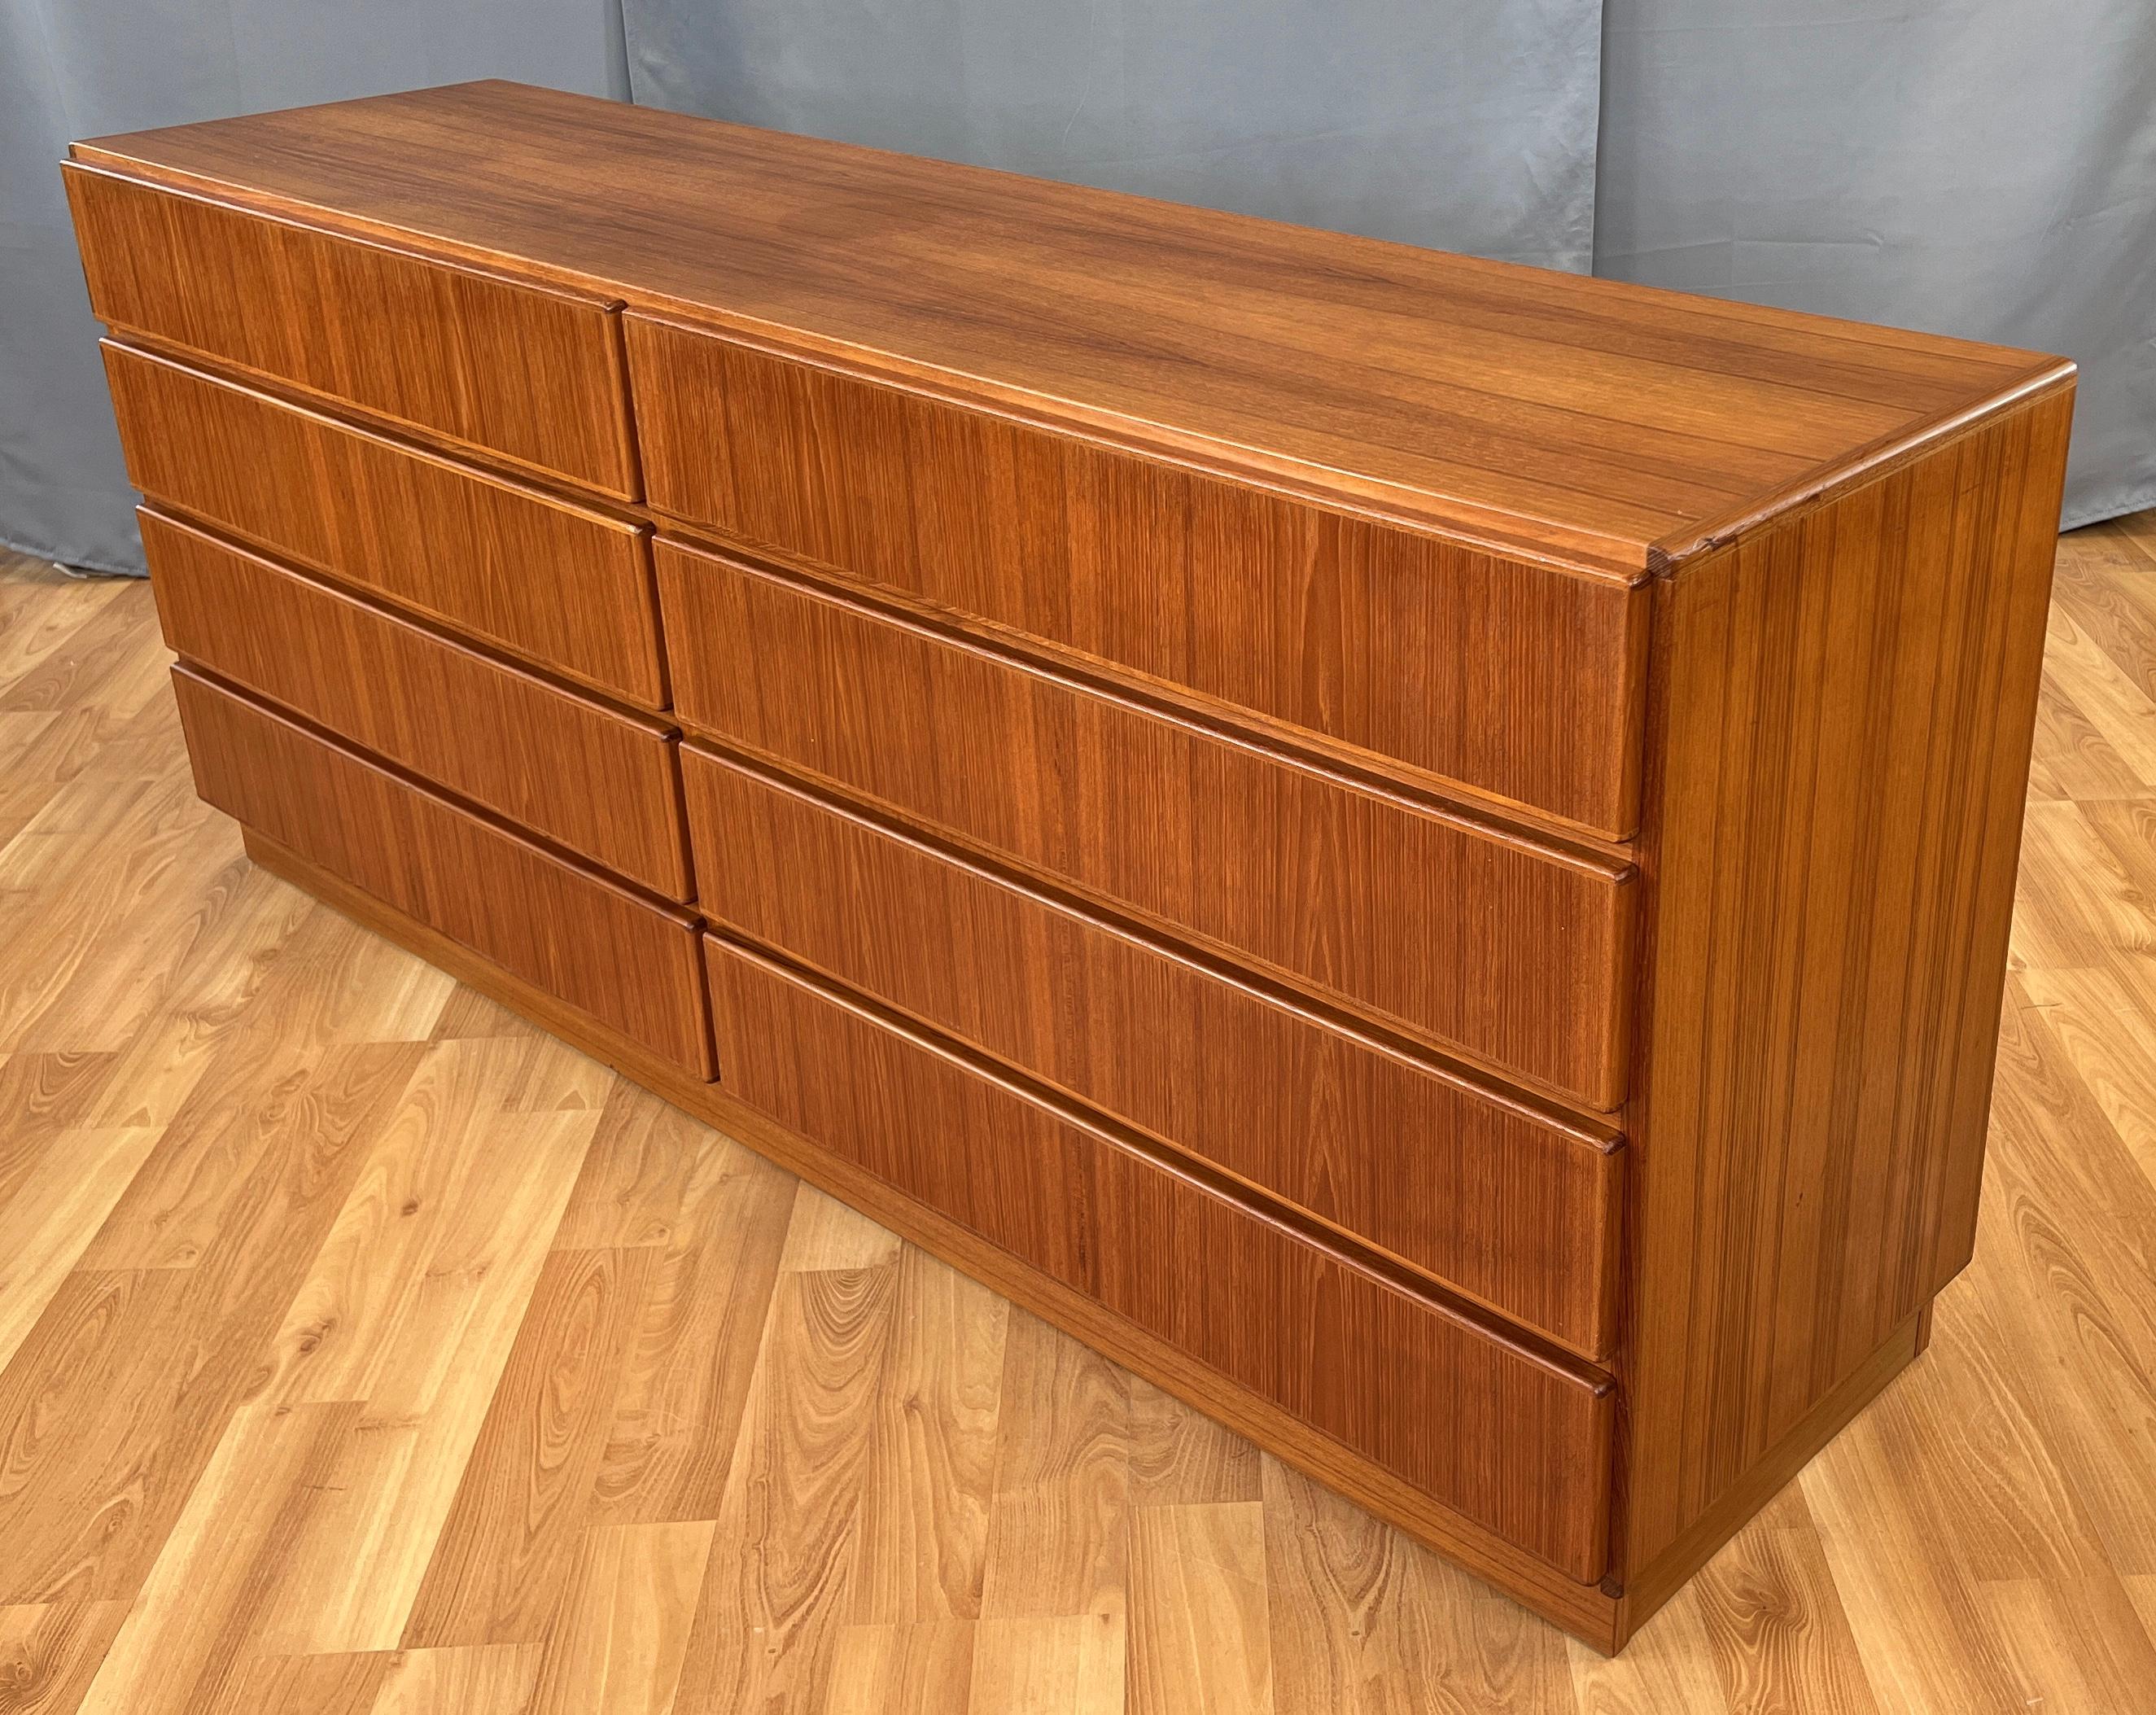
x,y
556,583
529,374
1515,1441
1511,952
631,966
1517,679
1505,1204
603,784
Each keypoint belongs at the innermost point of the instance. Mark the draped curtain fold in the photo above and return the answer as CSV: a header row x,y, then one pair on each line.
x,y
1981,167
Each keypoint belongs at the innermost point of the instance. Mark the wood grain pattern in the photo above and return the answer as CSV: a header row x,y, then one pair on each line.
x,y
1844,704
84,1514
1515,1442
1511,1207
568,930
1510,678
1518,954
601,782
499,1572
1608,422
543,578
531,373
1168,610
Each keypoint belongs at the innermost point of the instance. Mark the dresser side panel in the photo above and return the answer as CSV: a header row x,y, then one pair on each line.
x,y
1841,720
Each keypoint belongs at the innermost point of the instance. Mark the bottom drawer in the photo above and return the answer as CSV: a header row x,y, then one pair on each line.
x,y
1515,1439
631,966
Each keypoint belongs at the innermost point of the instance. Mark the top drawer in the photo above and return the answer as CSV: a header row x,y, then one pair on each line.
x,y
530,374
1522,682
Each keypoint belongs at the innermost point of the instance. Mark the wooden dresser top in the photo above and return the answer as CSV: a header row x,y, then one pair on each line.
x,y
1618,429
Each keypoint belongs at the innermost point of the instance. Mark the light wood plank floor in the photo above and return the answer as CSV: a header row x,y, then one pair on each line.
x,y
363,1350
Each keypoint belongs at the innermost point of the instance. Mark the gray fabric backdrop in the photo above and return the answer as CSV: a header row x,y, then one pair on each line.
x,y
1983,167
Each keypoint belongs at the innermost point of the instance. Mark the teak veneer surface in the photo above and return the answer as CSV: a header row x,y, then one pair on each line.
x,y
1613,425
1512,1207
602,782
1511,952
1836,803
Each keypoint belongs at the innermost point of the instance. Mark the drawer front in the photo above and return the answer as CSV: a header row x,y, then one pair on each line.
x,y
602,783
1503,951
630,965
530,374
1490,1197
1517,1442
1516,679
559,585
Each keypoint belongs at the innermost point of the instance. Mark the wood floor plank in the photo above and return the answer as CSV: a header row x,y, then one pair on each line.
x,y
442,1199
1773,1620
213,987
444,1333
1894,1554
824,1234
72,952
617,1646
2107,688
45,613
1180,1457
1668,1665
486,1679
776,1591
308,1685
52,1208
932,1462
2109,1039
1065,1665
502,1564
1366,1623
1058,1525
2078,907
1200,1620
50,1652
920,1667
2071,1229
713,1217
2073,759
125,971
186,1640
115,1401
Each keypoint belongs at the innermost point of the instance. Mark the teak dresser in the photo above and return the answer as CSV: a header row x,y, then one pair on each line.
x,y
1419,849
